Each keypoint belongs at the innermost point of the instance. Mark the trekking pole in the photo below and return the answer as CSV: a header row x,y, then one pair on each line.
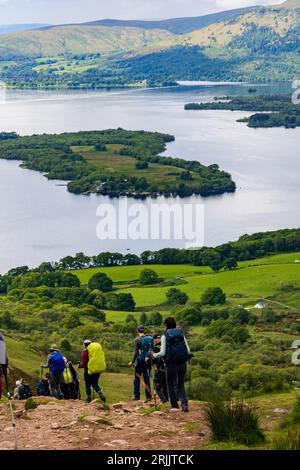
x,y
11,409
145,385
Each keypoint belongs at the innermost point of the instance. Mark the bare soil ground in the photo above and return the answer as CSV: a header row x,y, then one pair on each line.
x,y
73,425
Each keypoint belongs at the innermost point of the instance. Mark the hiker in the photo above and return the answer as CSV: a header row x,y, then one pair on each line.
x,y
22,390
143,345
56,364
70,383
93,363
160,381
176,353
42,387
3,362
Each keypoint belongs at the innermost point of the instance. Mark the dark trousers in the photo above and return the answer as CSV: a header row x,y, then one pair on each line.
x,y
175,383
55,382
160,383
144,371
91,381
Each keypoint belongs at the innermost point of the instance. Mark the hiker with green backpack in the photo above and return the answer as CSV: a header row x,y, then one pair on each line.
x,y
143,346
56,364
94,364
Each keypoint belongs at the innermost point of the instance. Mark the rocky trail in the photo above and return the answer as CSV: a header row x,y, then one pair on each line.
x,y
70,425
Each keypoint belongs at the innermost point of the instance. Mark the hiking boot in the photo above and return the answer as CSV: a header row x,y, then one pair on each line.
x,y
148,400
136,399
185,408
102,397
89,399
172,407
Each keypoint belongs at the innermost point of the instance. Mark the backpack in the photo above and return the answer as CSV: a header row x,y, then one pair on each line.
x,y
42,388
67,376
176,350
24,392
96,363
146,348
57,363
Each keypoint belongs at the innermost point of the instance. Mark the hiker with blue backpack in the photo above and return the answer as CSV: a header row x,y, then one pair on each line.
x,y
176,353
143,346
56,365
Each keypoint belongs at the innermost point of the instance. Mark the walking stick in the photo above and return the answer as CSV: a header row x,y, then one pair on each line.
x,y
146,386
10,407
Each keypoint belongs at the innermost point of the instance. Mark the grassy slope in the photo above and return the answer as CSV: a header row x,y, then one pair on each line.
x,y
114,163
81,40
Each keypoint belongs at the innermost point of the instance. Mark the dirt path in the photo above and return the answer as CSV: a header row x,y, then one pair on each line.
x,y
77,425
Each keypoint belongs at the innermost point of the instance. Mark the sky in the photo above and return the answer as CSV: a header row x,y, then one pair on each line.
x,y
71,11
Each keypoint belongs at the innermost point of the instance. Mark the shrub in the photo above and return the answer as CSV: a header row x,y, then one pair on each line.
x,y
155,319
30,404
234,421
141,165
101,282
206,389
65,345
240,335
123,302
130,318
239,315
293,418
148,276
192,315
176,297
213,296
219,328
144,319
289,440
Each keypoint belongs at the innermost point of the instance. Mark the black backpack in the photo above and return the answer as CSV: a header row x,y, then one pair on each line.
x,y
176,349
42,388
24,392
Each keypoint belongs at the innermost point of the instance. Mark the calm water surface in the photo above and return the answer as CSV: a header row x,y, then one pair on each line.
x,y
40,220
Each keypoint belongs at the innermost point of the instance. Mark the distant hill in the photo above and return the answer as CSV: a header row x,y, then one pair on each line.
x,y
174,25
253,44
15,28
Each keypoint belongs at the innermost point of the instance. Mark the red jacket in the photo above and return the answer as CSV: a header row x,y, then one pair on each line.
x,y
84,359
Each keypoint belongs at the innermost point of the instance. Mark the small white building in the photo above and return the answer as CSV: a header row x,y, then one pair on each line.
x,y
261,304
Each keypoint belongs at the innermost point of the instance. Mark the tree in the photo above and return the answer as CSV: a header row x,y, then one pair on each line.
x,y
144,319
123,302
239,315
240,335
155,319
130,318
213,296
219,328
192,315
148,276
176,297
229,264
65,345
141,165
101,282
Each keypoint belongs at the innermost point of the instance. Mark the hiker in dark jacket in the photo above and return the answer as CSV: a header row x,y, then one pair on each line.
x,y
3,362
56,364
91,380
70,385
143,345
160,380
176,353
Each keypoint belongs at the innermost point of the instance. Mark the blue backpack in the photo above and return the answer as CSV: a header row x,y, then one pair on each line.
x,y
57,363
176,352
146,348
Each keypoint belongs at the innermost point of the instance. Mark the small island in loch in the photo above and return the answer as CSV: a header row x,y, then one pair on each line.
x,y
271,110
115,163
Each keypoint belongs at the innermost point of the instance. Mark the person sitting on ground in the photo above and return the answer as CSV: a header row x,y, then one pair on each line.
x,y
22,390
42,388
176,353
143,345
3,362
56,364
70,379
93,363
160,381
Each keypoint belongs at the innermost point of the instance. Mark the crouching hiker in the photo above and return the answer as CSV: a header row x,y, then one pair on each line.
x,y
3,363
22,390
70,385
93,363
56,365
176,353
160,381
143,345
